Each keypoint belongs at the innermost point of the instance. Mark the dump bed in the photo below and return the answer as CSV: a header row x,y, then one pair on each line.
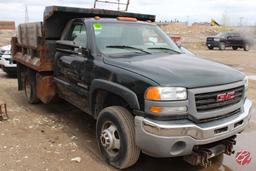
x,y
35,44
56,17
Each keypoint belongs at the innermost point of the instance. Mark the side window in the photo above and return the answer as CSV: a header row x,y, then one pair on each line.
x,y
229,35
236,35
78,35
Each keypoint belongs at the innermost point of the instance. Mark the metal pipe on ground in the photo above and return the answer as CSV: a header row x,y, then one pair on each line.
x,y
3,111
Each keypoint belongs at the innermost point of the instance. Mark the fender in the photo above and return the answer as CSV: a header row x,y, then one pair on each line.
x,y
128,95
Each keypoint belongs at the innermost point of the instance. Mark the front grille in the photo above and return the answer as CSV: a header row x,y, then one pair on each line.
x,y
220,117
208,101
210,39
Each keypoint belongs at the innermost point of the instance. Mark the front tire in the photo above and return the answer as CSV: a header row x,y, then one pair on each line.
x,y
115,132
210,47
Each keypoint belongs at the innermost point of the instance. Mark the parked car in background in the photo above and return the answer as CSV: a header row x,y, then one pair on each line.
x,y
2,51
228,39
7,63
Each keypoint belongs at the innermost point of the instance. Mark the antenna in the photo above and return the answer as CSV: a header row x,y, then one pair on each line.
x,y
116,2
26,14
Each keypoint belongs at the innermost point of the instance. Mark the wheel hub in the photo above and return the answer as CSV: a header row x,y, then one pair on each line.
x,y
109,138
106,139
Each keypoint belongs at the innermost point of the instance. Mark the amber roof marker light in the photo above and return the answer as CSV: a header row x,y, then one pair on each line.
x,y
97,18
127,19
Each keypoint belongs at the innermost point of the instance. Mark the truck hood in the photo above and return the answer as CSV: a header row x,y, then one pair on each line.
x,y
178,70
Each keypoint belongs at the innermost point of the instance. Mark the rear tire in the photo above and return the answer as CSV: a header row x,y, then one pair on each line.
x,y
115,132
246,47
222,46
30,88
234,47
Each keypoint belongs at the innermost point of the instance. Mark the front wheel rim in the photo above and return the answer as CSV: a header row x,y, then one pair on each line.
x,y
110,139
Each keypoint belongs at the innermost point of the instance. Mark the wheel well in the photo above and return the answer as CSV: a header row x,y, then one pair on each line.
x,y
105,99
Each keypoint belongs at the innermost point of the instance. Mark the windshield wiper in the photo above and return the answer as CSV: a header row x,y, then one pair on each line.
x,y
163,48
127,47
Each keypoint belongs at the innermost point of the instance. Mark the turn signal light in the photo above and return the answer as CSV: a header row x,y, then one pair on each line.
x,y
155,109
152,93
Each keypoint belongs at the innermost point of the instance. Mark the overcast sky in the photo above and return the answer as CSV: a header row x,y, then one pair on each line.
x,y
183,10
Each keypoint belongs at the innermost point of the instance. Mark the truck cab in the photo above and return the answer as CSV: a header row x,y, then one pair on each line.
x,y
145,93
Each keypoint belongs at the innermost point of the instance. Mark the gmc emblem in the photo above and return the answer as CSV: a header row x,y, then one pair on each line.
x,y
225,96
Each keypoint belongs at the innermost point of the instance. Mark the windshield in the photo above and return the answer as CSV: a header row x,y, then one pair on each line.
x,y
132,39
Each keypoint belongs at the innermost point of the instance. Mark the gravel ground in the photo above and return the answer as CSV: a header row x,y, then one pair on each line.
x,y
48,137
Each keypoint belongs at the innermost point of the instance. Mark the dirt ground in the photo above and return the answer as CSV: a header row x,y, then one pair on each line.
x,y
47,137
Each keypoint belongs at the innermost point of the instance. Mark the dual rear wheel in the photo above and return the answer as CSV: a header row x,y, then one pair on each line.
x,y
30,88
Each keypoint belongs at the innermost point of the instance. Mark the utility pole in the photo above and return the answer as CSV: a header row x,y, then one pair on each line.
x,y
26,14
241,21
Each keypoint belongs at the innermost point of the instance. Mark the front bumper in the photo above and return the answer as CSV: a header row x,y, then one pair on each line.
x,y
212,44
177,138
8,69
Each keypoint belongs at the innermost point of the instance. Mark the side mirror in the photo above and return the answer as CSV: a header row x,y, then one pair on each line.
x,y
66,43
71,47
81,51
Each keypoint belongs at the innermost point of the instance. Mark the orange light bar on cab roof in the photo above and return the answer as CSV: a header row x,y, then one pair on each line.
x,y
127,19
97,18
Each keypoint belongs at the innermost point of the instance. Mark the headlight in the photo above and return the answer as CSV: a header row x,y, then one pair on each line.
x,y
217,39
166,93
246,82
246,85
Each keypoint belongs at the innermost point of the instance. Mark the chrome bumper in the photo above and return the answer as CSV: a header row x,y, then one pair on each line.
x,y
177,138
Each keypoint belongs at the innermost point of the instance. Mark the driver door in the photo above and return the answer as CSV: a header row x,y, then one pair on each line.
x,y
71,73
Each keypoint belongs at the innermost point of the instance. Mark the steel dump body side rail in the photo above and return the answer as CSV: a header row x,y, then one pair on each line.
x,y
56,17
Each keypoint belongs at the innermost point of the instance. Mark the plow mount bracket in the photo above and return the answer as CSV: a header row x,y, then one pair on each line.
x,y
202,155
